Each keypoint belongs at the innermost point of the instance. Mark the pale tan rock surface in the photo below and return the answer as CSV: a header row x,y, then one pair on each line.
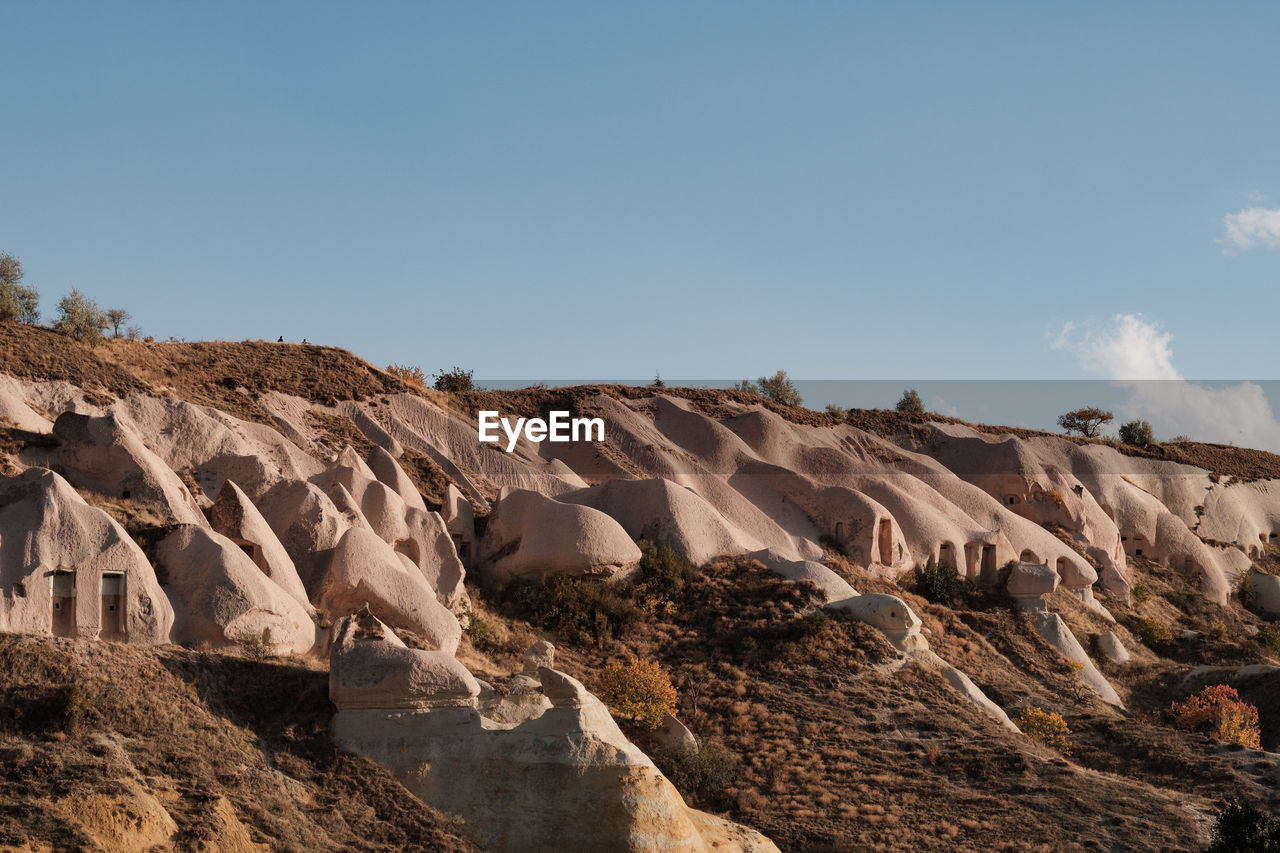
x,y
63,563
565,780
235,517
364,570
104,455
220,596
530,535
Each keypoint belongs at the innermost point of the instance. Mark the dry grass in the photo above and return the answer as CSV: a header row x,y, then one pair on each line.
x,y
230,747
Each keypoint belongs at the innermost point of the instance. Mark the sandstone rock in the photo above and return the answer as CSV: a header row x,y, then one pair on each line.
x,y
1057,634
540,654
674,734
1268,589
104,455
529,535
371,668
1112,649
220,596
670,515
388,471
566,780
832,586
69,569
363,569
235,517
1030,583
887,612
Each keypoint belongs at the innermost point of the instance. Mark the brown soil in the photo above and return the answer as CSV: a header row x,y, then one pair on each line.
x,y
838,752
230,748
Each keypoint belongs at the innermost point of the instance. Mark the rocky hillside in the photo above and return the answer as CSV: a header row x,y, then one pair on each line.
x,y
226,496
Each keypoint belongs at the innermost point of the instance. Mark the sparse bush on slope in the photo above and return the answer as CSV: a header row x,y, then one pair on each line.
x,y
80,317
16,302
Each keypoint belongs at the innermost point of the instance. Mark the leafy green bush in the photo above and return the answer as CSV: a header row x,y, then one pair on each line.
x,y
1137,433
480,631
16,302
454,380
80,317
1241,827
703,775
1269,637
661,578
780,389
1140,593
910,402
938,583
1247,591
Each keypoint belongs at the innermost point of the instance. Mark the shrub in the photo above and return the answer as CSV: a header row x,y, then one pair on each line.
x,y
657,381
454,381
116,318
80,317
939,584
703,775
746,386
840,413
910,402
1137,433
1246,590
16,302
1152,633
661,578
1269,638
480,631
1221,713
639,689
1241,827
409,374
1140,593
780,389
1048,727
578,609
257,647
1085,421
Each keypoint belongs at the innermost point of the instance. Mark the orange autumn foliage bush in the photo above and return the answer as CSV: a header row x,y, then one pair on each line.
x,y
1221,713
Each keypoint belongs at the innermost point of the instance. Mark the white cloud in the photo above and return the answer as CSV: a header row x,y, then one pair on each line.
x,y
1137,355
1251,228
1129,347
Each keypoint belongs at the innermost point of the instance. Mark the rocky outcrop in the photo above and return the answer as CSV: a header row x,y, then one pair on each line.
x,y
530,535
221,597
235,517
565,780
104,455
69,569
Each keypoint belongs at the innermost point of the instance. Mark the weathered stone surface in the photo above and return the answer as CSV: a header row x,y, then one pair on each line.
x,y
1032,581
235,517
1112,649
60,559
220,596
371,668
104,455
364,570
530,535
887,612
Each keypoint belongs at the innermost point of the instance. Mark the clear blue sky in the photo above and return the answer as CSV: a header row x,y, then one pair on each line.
x,y
714,190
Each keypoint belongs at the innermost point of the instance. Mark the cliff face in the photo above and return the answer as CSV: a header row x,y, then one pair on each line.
x,y
203,493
